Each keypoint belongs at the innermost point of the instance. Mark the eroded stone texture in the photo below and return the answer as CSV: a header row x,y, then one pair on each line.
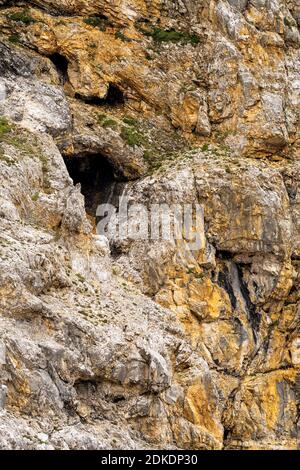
x,y
145,344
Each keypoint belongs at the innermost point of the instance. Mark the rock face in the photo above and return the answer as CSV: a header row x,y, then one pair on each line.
x,y
106,343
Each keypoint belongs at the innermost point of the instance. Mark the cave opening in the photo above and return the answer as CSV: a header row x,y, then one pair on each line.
x,y
114,97
61,64
99,182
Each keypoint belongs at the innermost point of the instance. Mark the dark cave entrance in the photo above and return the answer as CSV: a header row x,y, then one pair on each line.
x,y
97,176
114,97
61,64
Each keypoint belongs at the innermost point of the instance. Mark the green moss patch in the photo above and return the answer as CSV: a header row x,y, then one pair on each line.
x,y
5,128
96,22
106,121
162,35
130,121
133,137
14,39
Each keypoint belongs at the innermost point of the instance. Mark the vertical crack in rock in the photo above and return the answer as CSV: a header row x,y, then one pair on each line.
x,y
251,309
225,282
232,281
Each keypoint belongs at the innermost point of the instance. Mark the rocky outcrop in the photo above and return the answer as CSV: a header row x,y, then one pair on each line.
x,y
106,343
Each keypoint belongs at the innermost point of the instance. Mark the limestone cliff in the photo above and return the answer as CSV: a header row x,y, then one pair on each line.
x,y
106,344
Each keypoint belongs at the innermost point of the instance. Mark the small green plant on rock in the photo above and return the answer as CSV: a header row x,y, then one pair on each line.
x,y
120,35
149,56
288,22
153,158
35,197
23,16
14,39
5,128
106,121
80,277
96,22
109,123
101,117
132,137
130,121
161,35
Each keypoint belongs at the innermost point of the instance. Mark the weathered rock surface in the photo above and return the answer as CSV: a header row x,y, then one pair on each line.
x,y
146,344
